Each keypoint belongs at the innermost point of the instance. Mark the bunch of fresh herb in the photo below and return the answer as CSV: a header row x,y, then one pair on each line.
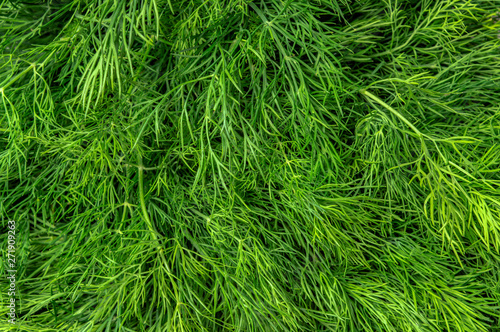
x,y
236,165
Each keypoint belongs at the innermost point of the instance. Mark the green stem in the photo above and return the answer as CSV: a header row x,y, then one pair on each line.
x,y
18,76
141,198
393,111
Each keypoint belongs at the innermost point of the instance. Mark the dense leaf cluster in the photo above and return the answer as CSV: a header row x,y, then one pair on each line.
x,y
267,165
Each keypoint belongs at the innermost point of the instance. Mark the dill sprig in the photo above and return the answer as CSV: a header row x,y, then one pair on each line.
x,y
252,165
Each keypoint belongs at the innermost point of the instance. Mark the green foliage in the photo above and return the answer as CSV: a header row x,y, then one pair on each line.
x,y
247,165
